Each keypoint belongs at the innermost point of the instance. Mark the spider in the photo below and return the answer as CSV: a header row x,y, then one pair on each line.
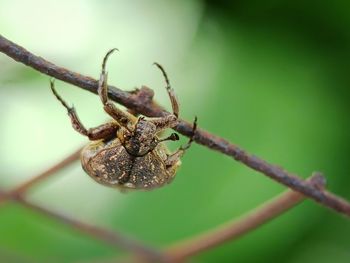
x,y
127,152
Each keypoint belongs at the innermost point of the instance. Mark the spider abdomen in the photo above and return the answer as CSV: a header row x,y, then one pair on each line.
x,y
110,164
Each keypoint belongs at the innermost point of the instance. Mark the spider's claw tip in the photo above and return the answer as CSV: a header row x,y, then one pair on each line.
x,y
157,65
112,50
106,58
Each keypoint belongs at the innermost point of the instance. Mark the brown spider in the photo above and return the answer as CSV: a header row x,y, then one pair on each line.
x,y
126,152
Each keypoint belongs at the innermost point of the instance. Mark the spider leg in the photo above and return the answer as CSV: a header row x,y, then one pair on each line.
x,y
103,131
170,90
170,120
124,118
163,123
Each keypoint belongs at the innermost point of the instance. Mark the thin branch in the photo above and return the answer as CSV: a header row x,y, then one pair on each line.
x,y
115,239
182,249
187,248
235,229
111,237
21,189
24,187
132,101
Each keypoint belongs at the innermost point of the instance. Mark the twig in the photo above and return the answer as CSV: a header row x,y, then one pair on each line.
x,y
115,239
187,248
202,137
233,230
21,189
111,237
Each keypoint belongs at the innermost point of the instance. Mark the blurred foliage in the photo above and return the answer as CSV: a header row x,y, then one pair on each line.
x,y
271,76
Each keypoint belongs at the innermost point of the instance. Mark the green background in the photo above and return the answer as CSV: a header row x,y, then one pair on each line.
x,y
270,76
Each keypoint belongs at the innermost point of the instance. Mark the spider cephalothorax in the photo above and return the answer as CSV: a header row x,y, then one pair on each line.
x,y
127,152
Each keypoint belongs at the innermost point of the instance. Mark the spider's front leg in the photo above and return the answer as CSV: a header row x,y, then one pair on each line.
x,y
170,120
170,90
124,118
103,131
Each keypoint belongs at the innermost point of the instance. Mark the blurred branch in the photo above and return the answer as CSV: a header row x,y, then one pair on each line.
x,y
115,239
133,102
17,194
235,229
65,162
187,248
22,188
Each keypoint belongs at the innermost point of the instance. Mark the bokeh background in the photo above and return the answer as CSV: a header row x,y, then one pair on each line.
x,y
270,76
